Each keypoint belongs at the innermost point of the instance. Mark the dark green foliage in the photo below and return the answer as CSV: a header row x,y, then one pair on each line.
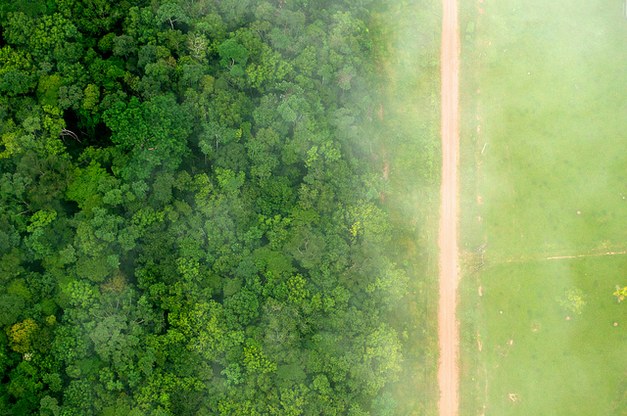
x,y
184,228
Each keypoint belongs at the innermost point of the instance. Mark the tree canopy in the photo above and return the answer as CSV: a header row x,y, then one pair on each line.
x,y
188,221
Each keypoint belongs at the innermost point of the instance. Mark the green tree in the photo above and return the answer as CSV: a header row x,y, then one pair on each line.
x,y
171,12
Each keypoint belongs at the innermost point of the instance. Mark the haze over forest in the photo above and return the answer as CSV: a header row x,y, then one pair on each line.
x,y
195,211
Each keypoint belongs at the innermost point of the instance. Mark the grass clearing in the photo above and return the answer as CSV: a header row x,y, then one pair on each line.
x,y
534,346
550,112
544,173
408,153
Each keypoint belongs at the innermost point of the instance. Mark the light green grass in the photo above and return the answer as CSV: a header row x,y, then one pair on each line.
x,y
553,117
556,366
552,178
407,115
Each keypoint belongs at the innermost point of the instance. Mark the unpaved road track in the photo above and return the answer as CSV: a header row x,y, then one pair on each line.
x,y
448,331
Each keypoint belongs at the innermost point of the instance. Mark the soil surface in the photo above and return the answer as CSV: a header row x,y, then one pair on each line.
x,y
448,329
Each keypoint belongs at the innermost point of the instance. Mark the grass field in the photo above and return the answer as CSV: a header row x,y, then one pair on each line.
x,y
408,153
544,174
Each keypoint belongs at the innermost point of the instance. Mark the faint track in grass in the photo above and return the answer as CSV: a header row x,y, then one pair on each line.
x,y
540,258
579,256
448,330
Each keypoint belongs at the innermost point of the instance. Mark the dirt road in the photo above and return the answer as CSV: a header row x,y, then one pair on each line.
x,y
448,331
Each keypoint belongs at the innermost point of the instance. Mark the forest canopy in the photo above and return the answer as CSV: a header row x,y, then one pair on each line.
x,y
189,220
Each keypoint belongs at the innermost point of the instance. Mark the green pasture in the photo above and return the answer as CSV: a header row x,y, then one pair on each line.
x,y
552,115
544,174
553,357
406,149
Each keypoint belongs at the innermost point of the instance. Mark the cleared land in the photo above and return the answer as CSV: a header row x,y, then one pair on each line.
x,y
407,152
544,168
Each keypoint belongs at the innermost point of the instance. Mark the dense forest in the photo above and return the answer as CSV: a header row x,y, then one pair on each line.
x,y
191,221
